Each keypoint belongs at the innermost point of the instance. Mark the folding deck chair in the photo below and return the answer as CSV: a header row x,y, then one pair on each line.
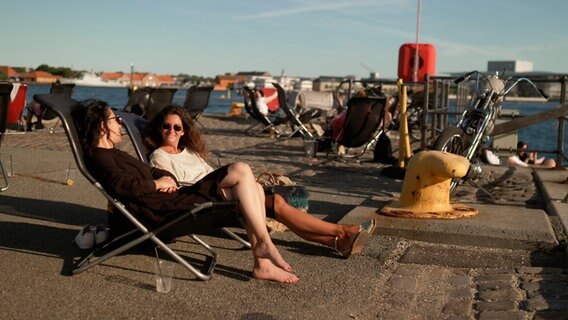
x,y
137,100
17,106
63,107
362,126
196,101
5,90
64,89
264,122
133,124
158,99
295,122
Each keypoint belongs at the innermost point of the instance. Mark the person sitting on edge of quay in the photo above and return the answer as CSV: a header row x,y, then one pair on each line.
x,y
155,194
177,147
34,109
529,159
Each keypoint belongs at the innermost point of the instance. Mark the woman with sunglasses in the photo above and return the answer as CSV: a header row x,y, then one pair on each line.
x,y
155,196
177,147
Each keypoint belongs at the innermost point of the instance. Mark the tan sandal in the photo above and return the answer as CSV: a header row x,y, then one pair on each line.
x,y
359,239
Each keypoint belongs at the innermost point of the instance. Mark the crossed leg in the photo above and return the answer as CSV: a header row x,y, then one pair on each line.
x,y
269,264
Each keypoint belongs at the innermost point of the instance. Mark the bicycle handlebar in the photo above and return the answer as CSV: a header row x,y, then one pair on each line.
x,y
465,76
508,88
537,89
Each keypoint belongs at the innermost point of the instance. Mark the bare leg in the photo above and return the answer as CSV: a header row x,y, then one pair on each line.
x,y
548,163
242,184
264,269
309,227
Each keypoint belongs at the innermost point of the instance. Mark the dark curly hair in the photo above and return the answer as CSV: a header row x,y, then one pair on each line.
x,y
88,115
191,139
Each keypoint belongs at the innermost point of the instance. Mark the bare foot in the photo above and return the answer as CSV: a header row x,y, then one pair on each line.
x,y
266,270
269,251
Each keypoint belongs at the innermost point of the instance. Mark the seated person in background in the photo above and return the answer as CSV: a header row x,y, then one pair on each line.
x,y
262,105
178,148
155,195
529,159
34,109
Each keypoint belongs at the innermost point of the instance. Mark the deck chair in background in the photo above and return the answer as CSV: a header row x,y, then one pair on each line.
x,y
63,107
264,124
137,100
16,107
158,99
133,124
362,126
64,89
297,125
196,100
5,90
322,101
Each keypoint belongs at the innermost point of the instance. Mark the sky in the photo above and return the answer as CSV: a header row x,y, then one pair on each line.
x,y
307,38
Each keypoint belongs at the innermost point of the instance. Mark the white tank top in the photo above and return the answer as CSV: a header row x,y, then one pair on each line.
x,y
187,166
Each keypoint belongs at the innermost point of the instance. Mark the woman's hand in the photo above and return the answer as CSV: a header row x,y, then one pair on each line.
x,y
166,184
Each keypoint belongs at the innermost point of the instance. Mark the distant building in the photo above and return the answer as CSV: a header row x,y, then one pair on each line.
x,y
509,66
304,85
258,79
10,73
40,77
326,83
226,80
165,80
112,76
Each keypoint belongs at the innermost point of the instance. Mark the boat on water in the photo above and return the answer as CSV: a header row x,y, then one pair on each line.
x,y
91,79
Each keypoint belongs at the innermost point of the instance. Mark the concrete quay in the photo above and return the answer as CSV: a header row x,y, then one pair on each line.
x,y
509,262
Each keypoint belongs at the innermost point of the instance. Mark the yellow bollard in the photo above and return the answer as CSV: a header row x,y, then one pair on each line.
x,y
426,187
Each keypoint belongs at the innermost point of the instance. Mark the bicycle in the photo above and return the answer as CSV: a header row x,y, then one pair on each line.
x,y
477,121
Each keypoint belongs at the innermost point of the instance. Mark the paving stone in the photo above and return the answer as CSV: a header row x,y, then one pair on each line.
x,y
550,315
559,293
457,307
431,305
459,280
498,295
407,284
494,277
459,317
504,315
536,303
496,271
462,293
495,285
406,270
503,305
399,299
540,270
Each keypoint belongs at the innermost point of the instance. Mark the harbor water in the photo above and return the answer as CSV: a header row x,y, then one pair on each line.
x,y
116,97
540,136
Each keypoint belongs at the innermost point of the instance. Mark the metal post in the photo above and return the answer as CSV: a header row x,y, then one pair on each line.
x,y
560,140
131,76
424,119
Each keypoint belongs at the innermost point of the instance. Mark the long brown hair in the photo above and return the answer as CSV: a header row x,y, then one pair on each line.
x,y
88,115
191,139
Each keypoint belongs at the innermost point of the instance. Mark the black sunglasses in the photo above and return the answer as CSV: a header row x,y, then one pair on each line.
x,y
118,119
167,126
